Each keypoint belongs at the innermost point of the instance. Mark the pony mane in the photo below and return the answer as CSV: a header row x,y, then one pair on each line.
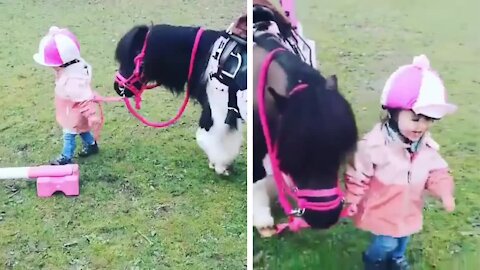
x,y
317,129
168,54
129,46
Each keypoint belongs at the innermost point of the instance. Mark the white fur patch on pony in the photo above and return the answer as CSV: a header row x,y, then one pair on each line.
x,y
267,165
242,103
242,94
220,143
264,191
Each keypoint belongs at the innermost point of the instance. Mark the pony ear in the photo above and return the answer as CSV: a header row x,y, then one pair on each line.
x,y
139,32
136,36
280,101
332,83
132,39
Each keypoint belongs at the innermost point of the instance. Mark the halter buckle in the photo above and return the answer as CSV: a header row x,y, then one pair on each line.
x,y
298,212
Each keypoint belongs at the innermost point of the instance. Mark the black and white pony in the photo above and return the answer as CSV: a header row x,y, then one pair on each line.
x,y
314,131
162,55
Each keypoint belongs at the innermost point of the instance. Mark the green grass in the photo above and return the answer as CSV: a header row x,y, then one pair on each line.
x,y
363,42
148,200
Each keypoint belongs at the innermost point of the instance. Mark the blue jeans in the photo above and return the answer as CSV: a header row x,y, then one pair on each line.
x,y
69,143
385,247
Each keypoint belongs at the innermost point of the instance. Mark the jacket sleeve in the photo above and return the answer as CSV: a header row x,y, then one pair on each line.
x,y
358,175
440,182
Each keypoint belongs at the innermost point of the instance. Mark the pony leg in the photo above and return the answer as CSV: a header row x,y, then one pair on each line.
x,y
212,144
228,149
231,144
264,191
204,143
221,146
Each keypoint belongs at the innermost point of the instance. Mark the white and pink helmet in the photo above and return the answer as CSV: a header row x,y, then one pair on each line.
x,y
58,47
419,88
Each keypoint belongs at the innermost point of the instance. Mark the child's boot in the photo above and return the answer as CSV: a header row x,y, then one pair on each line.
x,y
88,150
61,160
370,264
399,264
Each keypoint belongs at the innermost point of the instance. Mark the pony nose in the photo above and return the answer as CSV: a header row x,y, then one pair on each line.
x,y
120,90
116,86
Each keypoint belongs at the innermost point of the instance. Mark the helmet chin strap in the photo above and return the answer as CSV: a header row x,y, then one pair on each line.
x,y
74,61
393,124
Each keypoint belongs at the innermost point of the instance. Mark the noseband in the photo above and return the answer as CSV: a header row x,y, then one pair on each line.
x,y
138,77
295,222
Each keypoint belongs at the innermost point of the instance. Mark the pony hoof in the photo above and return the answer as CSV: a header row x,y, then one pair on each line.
x,y
226,172
266,232
263,221
222,171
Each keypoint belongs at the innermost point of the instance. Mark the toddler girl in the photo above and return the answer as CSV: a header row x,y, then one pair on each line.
x,y
76,109
396,162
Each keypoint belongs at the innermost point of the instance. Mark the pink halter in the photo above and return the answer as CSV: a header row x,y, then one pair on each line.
x,y
137,77
295,222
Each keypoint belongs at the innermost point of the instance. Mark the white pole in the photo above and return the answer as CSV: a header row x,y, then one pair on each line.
x,y
14,173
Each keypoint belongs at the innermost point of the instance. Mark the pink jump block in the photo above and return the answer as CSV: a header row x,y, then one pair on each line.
x,y
69,183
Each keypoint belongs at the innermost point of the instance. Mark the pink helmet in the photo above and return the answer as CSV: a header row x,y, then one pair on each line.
x,y
58,47
419,88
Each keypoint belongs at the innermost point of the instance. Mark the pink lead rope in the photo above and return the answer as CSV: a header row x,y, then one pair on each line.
x,y
138,92
295,223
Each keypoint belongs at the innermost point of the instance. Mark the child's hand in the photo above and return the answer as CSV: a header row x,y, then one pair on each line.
x,y
449,204
94,121
352,209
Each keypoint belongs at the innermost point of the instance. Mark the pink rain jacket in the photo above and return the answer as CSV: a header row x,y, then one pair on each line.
x,y
76,110
388,183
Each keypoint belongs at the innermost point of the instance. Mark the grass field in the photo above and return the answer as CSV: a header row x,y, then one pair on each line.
x,y
363,42
148,200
